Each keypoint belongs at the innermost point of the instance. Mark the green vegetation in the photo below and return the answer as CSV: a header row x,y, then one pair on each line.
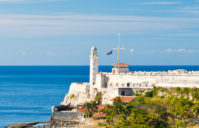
x,y
72,96
91,107
158,108
98,98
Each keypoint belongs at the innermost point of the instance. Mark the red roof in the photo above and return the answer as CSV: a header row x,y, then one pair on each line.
x,y
99,107
125,98
121,64
80,109
99,115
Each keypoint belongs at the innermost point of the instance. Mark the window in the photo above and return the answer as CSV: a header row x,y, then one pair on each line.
x,y
128,84
105,85
123,93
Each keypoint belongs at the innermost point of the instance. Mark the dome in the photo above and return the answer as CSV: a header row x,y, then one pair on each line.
x,y
93,48
94,51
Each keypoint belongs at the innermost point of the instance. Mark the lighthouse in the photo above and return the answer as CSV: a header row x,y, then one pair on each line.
x,y
93,65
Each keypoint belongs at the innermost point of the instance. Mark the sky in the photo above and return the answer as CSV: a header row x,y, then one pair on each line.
x,y
62,32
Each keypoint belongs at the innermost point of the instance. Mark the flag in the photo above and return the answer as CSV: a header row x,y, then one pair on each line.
x,y
109,53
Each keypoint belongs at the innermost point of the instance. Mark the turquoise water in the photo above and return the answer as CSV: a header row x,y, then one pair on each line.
x,y
27,93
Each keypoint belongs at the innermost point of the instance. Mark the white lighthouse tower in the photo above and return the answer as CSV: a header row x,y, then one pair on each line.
x,y
93,65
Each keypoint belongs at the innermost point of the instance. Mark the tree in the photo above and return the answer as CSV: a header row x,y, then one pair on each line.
x,y
186,91
89,108
195,109
149,94
179,124
194,93
98,98
155,91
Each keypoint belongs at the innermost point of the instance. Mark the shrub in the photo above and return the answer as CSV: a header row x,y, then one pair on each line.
x,y
72,96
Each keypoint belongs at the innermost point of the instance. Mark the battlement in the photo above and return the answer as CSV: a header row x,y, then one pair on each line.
x,y
159,73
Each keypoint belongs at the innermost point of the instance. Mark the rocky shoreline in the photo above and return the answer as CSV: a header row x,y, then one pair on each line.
x,y
47,124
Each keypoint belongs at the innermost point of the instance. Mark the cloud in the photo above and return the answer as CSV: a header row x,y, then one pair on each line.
x,y
185,9
50,54
74,24
188,9
27,1
24,53
181,50
161,3
132,50
169,50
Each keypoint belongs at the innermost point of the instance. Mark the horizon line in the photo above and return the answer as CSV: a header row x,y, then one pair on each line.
x,y
99,65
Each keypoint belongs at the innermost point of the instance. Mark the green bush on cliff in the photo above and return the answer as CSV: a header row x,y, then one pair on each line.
x,y
72,96
98,98
173,109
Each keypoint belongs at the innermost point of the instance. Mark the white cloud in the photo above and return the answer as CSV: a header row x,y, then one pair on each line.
x,y
24,53
181,50
132,50
26,1
42,25
50,54
169,50
161,3
184,9
188,9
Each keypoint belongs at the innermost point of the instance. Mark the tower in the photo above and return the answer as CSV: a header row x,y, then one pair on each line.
x,y
93,65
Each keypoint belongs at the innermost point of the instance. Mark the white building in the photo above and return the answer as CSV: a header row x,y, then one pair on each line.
x,y
122,82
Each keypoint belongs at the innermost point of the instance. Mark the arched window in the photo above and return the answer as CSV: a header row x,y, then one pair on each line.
x,y
105,85
128,84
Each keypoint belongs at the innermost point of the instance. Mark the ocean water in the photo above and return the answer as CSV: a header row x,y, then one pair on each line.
x,y
27,93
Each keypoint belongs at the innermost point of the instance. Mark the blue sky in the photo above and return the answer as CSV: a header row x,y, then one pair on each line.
x,y
61,32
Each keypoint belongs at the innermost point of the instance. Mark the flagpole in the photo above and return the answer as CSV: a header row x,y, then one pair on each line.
x,y
118,57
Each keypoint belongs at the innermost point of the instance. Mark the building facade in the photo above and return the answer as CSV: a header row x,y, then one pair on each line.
x,y
122,82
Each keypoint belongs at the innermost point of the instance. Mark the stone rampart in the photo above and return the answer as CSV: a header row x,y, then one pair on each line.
x,y
66,115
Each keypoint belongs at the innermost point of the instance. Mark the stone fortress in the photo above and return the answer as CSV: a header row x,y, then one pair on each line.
x,y
122,82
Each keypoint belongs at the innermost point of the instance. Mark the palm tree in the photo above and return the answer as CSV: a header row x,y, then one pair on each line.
x,y
89,108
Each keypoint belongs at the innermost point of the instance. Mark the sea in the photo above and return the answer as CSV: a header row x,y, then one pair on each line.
x,y
27,93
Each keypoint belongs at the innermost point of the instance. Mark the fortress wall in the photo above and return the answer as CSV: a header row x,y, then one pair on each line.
x,y
123,80
177,85
100,81
142,81
110,84
78,87
78,94
66,115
